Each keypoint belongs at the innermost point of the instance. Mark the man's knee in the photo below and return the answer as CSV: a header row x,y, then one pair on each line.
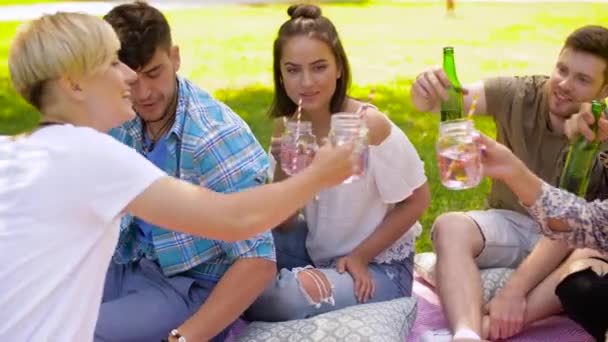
x,y
456,232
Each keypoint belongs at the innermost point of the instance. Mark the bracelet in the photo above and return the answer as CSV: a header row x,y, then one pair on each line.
x,y
177,335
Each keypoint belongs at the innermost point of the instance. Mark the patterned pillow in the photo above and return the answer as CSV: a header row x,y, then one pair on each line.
x,y
492,279
384,321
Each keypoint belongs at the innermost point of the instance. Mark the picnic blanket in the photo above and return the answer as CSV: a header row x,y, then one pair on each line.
x,y
553,329
430,316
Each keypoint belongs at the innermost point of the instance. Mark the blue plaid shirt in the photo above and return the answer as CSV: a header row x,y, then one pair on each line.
x,y
208,145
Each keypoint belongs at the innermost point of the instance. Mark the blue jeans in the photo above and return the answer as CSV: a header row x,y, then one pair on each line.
x,y
284,299
140,303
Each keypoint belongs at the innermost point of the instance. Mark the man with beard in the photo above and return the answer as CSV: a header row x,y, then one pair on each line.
x,y
529,112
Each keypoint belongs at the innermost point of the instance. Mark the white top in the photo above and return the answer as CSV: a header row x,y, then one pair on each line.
x,y
340,218
62,191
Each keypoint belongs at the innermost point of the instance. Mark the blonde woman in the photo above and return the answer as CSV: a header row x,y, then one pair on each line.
x,y
65,186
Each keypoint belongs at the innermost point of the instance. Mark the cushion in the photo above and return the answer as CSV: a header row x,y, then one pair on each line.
x,y
383,321
492,279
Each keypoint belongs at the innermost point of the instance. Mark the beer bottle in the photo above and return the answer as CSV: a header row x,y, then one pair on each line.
x,y
581,154
453,108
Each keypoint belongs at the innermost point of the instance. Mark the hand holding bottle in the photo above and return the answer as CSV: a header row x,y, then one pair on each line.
x,y
581,154
582,122
429,88
439,84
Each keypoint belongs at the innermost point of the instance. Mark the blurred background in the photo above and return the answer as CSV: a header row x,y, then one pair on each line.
x,y
226,48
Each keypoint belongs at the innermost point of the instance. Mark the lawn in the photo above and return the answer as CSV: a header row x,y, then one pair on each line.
x,y
227,50
29,2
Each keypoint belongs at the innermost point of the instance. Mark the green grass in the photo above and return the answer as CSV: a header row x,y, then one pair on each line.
x,y
227,50
29,2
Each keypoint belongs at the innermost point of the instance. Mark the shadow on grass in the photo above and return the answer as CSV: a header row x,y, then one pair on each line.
x,y
421,128
252,104
16,115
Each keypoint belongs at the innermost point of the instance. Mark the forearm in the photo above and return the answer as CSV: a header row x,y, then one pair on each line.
x,y
524,184
560,214
571,219
396,223
229,299
546,256
228,217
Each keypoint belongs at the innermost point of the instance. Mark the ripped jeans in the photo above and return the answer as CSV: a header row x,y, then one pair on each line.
x,y
285,299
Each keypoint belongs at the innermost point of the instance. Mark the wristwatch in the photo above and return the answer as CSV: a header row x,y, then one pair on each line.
x,y
177,335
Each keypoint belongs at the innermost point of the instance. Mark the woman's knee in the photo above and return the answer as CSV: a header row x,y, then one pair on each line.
x,y
583,285
295,294
599,267
581,294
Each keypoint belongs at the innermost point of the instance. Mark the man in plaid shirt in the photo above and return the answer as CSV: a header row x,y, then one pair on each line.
x,y
161,282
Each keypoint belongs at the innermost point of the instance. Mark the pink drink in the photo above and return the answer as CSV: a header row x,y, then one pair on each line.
x,y
298,147
459,166
296,157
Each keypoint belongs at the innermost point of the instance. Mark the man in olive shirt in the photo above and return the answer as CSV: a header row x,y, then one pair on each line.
x,y
530,113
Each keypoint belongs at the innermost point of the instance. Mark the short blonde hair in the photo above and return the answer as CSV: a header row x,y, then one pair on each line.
x,y
56,45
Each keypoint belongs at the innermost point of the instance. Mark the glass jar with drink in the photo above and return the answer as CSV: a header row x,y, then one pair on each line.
x,y
351,127
298,146
458,155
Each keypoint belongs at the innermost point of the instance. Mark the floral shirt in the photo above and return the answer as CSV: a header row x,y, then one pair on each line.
x,y
588,221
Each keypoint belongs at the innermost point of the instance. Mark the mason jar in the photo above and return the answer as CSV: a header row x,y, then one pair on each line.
x,y
458,155
298,146
350,127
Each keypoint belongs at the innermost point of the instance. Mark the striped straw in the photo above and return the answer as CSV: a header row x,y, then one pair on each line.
x,y
473,107
298,118
299,111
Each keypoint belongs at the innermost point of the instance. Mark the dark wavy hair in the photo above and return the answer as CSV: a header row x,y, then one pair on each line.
x,y
141,29
306,20
592,39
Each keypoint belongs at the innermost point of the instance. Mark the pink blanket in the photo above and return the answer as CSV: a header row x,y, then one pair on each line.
x,y
430,316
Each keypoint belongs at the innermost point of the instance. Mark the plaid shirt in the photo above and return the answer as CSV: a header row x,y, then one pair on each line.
x,y
208,145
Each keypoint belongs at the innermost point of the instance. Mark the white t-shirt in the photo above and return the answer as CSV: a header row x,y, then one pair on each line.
x,y
62,191
342,217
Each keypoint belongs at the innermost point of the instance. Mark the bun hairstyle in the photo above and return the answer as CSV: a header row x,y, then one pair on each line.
x,y
307,20
304,11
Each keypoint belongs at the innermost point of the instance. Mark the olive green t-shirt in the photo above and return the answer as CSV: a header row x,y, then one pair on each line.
x,y
520,109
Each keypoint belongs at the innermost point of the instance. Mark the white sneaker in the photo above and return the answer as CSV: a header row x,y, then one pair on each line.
x,y
439,335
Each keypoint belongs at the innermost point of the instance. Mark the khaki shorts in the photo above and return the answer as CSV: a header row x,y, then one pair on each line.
x,y
508,237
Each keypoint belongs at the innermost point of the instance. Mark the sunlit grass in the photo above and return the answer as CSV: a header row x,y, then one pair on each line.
x,y
228,50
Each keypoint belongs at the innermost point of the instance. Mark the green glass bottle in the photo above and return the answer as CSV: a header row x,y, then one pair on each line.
x,y
453,108
581,154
